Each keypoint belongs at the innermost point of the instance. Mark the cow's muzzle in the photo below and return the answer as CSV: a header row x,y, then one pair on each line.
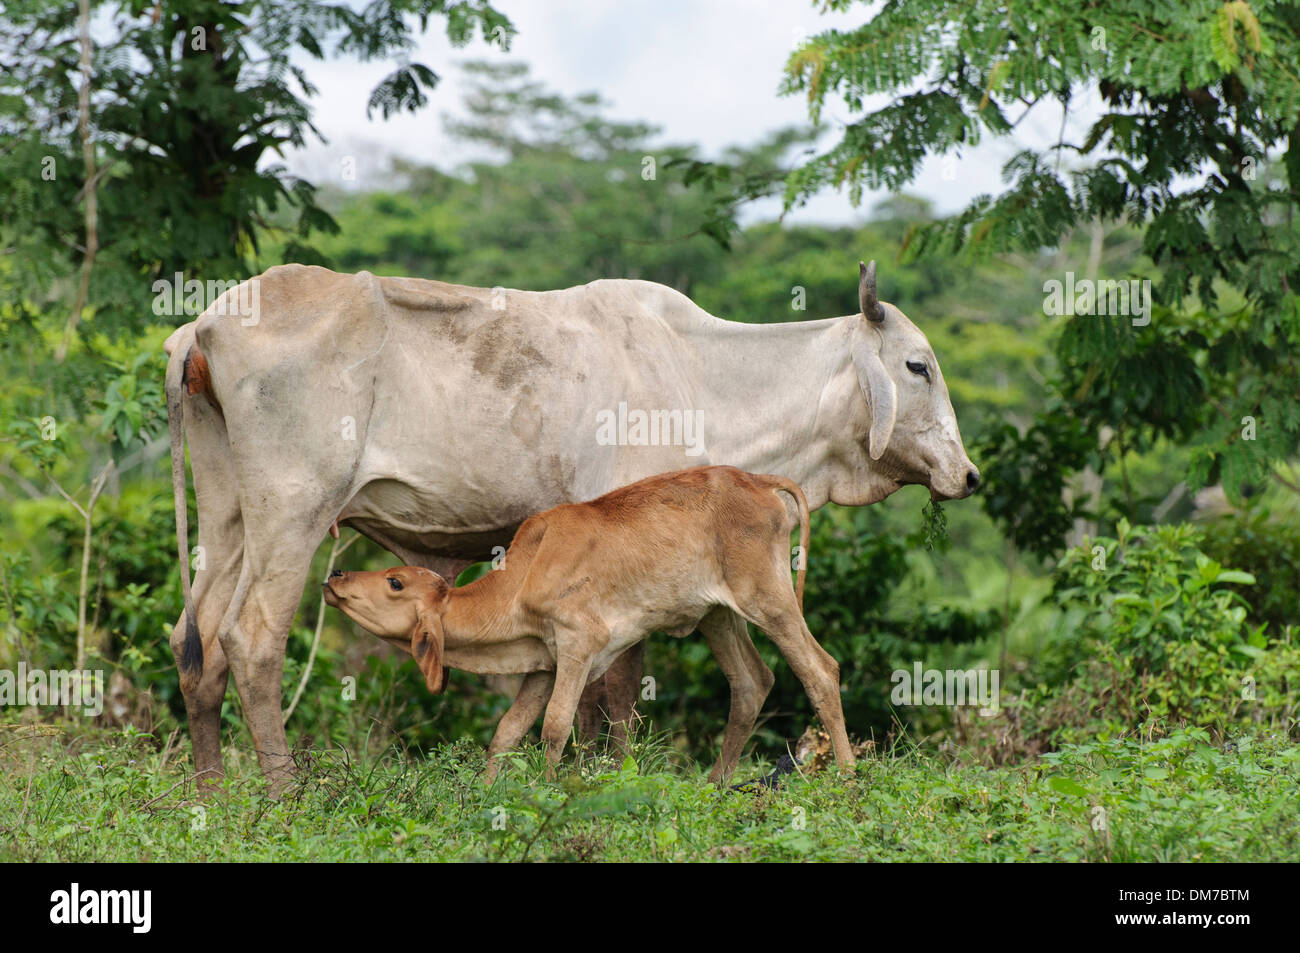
x,y
959,489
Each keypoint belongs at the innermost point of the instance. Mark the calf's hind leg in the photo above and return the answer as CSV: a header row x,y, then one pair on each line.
x,y
777,613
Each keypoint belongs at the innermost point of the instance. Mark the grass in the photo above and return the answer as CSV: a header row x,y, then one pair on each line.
x,y
98,796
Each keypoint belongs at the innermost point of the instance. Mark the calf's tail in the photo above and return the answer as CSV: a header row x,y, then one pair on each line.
x,y
778,483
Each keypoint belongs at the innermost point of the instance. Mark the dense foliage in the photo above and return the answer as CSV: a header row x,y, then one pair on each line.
x,y
189,100
1131,566
1196,139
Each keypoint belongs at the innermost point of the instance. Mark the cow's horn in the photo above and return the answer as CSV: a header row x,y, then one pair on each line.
x,y
871,306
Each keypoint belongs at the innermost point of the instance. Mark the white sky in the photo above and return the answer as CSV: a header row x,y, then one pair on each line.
x,y
705,71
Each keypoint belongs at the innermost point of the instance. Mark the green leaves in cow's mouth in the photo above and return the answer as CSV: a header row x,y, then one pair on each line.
x,y
935,526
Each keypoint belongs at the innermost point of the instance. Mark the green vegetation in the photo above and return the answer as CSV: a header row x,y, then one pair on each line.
x,y
1130,566
1172,799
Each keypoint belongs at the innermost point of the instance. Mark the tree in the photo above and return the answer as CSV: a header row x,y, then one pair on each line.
x,y
1201,92
187,98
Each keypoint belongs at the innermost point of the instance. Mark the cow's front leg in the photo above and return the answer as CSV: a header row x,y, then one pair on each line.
x,y
613,696
447,567
592,708
622,688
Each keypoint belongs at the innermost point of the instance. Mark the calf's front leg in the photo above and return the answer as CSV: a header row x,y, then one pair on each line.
x,y
571,673
533,695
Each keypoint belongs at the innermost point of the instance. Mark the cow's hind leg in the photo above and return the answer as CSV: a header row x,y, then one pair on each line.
x,y
255,631
749,678
216,566
203,703
612,698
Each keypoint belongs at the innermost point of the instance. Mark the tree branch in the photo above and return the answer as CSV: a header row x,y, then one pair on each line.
x,y
92,182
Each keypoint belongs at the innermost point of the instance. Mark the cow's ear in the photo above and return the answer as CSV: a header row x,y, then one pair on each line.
x,y
427,648
877,386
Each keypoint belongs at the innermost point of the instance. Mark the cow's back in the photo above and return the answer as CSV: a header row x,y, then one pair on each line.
x,y
312,311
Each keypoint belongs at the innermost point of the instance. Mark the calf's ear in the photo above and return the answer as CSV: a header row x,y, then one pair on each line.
x,y
427,650
877,386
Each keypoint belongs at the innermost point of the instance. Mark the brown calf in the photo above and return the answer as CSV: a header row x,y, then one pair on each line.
x,y
703,548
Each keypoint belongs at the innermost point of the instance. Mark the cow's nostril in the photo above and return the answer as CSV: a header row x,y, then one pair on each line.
x,y
336,573
972,480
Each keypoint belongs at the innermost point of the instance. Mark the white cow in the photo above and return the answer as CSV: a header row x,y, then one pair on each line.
x,y
434,418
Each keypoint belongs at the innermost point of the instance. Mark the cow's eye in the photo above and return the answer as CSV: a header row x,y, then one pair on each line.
x,y
395,584
918,367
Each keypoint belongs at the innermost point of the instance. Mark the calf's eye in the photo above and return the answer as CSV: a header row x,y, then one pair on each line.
x,y
395,585
918,367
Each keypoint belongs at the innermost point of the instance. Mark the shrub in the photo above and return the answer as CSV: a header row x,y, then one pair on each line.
x,y
1150,631
1270,551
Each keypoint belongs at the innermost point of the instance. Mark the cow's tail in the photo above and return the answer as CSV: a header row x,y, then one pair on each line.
x,y
191,658
778,483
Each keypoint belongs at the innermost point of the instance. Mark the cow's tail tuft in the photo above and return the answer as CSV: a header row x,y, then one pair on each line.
x,y
191,658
